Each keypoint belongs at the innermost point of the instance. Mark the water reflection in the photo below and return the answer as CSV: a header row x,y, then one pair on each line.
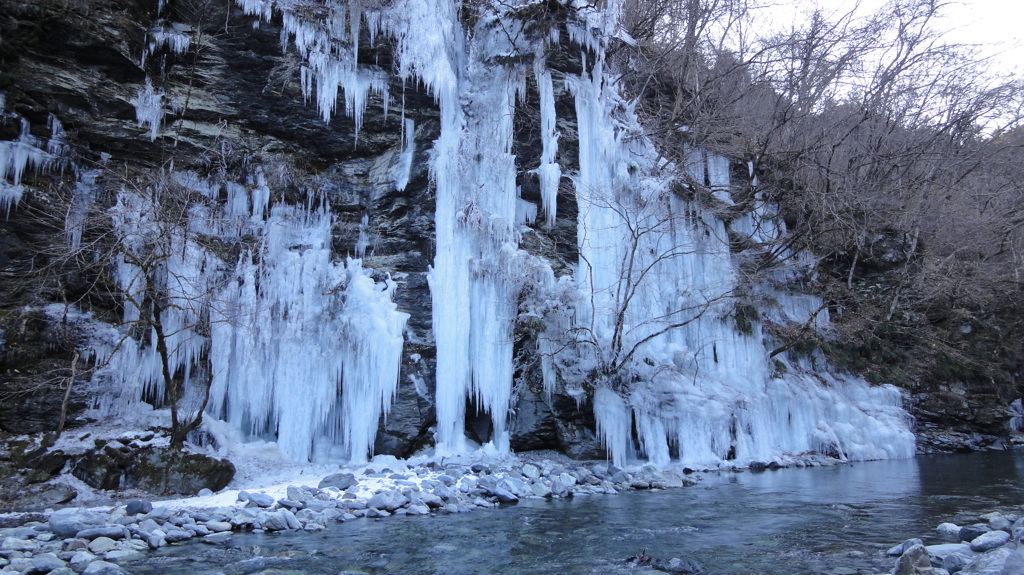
x,y
827,520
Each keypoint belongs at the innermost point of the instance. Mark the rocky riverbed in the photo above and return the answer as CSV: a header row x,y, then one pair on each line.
x,y
108,540
989,544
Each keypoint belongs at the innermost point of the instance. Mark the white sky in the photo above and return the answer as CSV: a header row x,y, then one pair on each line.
x,y
996,24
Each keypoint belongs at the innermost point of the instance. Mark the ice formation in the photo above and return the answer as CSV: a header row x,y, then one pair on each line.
x,y
657,325
149,108
294,347
27,153
305,350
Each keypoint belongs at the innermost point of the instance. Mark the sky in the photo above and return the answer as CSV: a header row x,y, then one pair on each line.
x,y
995,24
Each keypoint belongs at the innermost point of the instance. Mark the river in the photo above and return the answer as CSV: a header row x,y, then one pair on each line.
x,y
833,520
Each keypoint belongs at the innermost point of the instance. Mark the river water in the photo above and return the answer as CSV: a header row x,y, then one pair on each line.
x,y
834,520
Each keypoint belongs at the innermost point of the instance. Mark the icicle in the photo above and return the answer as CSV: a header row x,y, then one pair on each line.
x,y
403,169
19,155
613,424
82,200
364,239
149,108
174,39
549,172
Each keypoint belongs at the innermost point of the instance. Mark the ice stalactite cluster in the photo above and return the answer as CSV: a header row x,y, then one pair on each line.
x,y
28,153
656,333
330,50
293,346
304,350
149,108
478,267
652,326
309,349
172,37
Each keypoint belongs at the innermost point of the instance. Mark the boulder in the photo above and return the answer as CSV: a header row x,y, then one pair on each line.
x,y
342,481
950,556
103,568
504,496
989,541
913,561
992,563
217,538
898,550
998,521
272,521
102,545
261,499
40,497
15,544
68,522
388,501
972,532
168,471
123,555
218,526
111,531
46,562
948,531
157,470
136,506
80,560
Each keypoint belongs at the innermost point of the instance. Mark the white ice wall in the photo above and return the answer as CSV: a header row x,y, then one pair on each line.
x,y
649,311
659,285
297,348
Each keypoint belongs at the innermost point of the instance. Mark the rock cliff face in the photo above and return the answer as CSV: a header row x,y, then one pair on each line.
x,y
232,100
123,93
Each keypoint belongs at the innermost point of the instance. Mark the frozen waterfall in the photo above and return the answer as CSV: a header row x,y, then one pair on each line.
x,y
299,348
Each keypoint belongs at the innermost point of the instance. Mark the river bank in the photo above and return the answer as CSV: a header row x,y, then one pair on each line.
x,y
98,539
986,544
832,520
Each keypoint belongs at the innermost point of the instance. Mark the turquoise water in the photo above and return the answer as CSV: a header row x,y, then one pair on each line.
x,y
836,520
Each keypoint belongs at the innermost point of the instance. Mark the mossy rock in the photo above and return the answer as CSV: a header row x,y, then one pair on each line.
x,y
157,470
168,471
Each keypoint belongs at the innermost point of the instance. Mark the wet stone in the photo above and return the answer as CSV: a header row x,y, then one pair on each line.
x,y
261,499
989,541
101,545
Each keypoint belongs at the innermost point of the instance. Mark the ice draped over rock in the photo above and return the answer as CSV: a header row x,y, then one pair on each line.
x,y
293,345
660,341
305,350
